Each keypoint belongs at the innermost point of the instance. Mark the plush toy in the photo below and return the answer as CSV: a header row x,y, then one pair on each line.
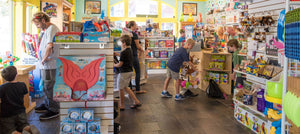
x,y
190,19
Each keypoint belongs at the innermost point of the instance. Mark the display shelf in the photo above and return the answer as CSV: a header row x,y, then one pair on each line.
x,y
244,55
294,2
220,53
102,108
271,56
252,107
157,71
214,70
240,72
157,58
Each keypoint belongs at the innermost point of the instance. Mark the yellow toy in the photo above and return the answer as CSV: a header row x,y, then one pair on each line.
x,y
190,19
272,130
273,114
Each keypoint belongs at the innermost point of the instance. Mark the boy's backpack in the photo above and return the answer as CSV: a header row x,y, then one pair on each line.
x,y
213,90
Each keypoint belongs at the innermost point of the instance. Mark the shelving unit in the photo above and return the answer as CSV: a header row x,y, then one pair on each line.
x,y
103,108
67,15
158,68
205,60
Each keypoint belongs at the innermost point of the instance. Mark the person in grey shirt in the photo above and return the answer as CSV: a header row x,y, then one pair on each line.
x,y
48,54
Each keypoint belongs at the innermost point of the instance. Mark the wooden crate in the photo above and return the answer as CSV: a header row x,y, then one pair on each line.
x,y
23,76
103,109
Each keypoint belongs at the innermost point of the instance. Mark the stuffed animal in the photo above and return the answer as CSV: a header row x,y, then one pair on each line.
x,y
181,19
190,19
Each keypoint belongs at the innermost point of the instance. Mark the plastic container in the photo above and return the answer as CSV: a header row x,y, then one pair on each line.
x,y
261,100
274,89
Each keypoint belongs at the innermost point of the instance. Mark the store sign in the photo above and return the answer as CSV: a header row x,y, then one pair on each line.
x,y
50,8
188,31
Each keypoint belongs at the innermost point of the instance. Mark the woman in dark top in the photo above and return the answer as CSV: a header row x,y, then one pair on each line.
x,y
136,64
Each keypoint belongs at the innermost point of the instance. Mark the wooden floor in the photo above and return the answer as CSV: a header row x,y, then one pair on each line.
x,y
199,115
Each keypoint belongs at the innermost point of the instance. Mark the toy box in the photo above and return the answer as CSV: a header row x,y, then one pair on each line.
x,y
80,128
152,44
87,115
68,37
94,127
156,54
223,78
102,37
162,43
80,78
163,54
218,58
66,128
169,43
74,114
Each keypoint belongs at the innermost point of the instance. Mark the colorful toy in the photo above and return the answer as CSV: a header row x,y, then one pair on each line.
x,y
96,37
74,114
161,43
181,19
169,43
190,18
94,127
83,78
87,115
260,100
68,37
274,89
66,128
80,128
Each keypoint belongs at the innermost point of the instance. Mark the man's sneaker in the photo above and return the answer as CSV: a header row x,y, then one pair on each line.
x,y
179,97
41,109
49,115
189,93
166,94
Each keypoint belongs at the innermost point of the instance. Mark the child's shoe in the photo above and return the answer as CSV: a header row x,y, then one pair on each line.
x,y
179,97
166,94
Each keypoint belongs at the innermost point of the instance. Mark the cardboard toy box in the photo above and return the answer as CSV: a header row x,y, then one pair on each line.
x,y
102,37
68,37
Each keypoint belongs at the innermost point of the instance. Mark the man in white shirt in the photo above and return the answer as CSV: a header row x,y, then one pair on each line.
x,y
48,53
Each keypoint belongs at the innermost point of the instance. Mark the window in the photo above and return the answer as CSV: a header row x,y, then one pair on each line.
x,y
142,7
167,26
117,10
6,24
28,19
167,11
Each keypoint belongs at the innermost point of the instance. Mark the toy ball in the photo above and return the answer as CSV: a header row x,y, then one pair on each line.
x,y
274,89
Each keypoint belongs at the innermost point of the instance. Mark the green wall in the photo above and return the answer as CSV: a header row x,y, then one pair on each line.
x,y
201,8
79,12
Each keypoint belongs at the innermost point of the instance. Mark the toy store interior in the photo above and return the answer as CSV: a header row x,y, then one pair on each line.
x,y
186,66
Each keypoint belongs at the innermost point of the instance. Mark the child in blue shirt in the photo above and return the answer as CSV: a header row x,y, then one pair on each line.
x,y
175,62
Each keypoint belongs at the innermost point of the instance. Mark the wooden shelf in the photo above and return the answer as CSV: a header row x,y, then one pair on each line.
x,y
213,70
220,53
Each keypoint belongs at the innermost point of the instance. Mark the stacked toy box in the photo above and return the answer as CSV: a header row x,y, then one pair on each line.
x,y
80,121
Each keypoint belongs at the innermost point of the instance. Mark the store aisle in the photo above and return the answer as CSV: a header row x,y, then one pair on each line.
x,y
46,127
199,115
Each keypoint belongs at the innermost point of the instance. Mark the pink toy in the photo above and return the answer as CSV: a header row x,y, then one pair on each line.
x,y
278,44
183,83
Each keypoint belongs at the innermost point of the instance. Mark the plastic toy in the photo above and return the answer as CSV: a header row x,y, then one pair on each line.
x,y
74,114
94,127
274,89
66,127
190,18
181,19
80,128
260,100
87,115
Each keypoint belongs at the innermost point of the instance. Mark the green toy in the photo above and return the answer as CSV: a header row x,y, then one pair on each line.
x,y
181,19
274,89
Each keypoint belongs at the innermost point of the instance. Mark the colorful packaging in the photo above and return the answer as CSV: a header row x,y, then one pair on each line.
x,y
74,114
80,128
66,128
102,37
156,54
94,127
87,115
217,78
152,43
223,78
219,65
161,43
163,54
261,100
211,65
170,43
163,64
170,53
218,58
68,37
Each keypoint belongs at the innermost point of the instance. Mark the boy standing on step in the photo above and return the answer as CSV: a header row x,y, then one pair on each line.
x,y
175,62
